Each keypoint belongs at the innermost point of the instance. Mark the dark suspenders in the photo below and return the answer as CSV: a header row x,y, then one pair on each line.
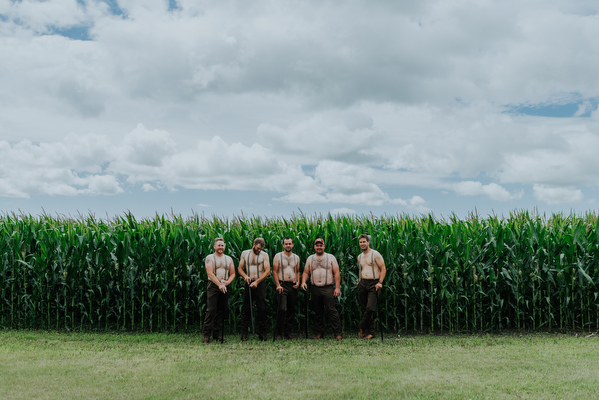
x,y
257,264
371,262
226,266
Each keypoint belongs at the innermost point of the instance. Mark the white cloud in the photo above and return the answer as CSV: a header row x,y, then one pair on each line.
x,y
103,185
557,195
325,104
146,187
342,211
491,190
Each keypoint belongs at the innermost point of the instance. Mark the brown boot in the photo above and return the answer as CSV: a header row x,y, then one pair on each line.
x,y
368,337
338,337
319,336
206,340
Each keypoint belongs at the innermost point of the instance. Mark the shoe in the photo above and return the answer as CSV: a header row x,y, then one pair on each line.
x,y
338,337
206,340
361,334
244,338
278,337
262,338
319,336
290,337
368,337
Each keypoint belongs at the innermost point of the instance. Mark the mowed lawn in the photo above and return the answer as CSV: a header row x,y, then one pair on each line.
x,y
51,365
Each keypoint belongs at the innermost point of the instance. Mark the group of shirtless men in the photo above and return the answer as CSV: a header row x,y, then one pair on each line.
x,y
321,269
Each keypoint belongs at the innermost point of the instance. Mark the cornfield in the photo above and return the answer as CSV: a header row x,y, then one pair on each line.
x,y
524,272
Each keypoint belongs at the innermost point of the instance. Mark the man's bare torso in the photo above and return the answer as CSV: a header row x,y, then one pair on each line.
x,y
288,267
254,265
367,270
221,266
321,270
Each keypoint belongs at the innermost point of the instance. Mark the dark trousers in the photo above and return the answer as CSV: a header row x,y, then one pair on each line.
x,y
216,304
286,308
322,301
259,299
368,301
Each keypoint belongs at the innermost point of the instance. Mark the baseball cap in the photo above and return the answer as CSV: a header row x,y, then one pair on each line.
x,y
319,240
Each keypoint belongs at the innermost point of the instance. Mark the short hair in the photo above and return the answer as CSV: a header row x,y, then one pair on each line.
x,y
219,239
364,236
288,238
260,241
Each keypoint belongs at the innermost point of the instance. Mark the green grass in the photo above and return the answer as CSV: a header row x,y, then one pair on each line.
x,y
35,364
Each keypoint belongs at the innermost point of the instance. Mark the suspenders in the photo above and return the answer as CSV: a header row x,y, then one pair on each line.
x,y
326,270
371,263
257,264
294,268
226,266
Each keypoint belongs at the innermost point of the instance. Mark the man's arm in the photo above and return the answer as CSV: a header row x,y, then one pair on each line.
x,y
231,268
297,272
305,275
378,259
337,276
240,268
276,266
359,270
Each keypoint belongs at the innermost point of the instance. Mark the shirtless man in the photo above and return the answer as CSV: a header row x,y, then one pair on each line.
x,y
372,274
221,272
254,268
286,273
323,270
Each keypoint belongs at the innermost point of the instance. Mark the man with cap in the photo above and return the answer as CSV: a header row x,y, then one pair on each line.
x,y
323,270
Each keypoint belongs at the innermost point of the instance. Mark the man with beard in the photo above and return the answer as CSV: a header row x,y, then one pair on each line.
x,y
372,273
254,268
221,272
323,271
286,273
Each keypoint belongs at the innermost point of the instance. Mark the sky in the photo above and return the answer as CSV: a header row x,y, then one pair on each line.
x,y
278,108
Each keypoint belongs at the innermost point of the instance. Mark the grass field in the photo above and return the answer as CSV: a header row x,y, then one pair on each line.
x,y
51,365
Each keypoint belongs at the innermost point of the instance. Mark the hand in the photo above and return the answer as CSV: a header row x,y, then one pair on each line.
x,y
304,286
357,283
378,286
254,284
248,280
296,285
222,287
337,293
279,289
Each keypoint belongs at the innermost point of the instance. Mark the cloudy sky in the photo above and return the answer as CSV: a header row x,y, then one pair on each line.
x,y
272,108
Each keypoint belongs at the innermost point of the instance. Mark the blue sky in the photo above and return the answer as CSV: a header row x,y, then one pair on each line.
x,y
275,108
